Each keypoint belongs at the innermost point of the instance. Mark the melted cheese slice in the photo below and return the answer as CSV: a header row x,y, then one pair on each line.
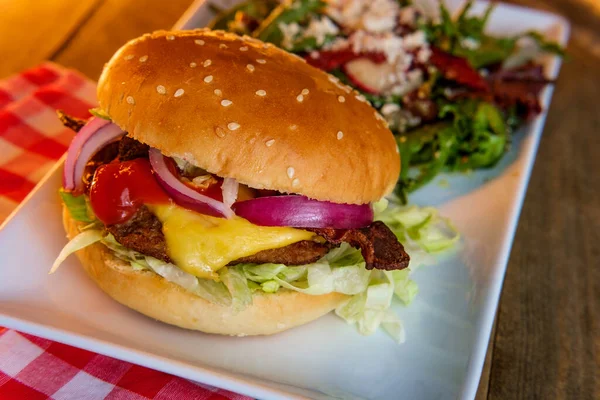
x,y
201,244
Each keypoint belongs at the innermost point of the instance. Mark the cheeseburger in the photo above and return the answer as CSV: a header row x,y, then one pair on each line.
x,y
226,186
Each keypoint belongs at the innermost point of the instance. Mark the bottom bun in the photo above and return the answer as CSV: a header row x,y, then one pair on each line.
x,y
152,295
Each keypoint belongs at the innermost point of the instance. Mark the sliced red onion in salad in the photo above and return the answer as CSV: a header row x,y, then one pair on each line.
x,y
96,134
230,190
183,194
302,212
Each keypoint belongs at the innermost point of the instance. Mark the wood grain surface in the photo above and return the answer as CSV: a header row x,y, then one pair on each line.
x,y
546,343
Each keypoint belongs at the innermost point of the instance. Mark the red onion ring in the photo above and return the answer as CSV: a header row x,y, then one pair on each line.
x,y
302,212
88,130
103,136
183,194
230,191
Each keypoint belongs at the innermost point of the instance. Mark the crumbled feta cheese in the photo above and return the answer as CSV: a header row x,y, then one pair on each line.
x,y
317,28
289,32
370,15
389,108
470,43
414,40
423,55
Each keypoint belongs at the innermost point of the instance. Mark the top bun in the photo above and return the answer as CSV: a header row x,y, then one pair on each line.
x,y
240,108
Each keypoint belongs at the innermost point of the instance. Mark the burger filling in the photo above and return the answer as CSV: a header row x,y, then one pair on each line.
x,y
226,258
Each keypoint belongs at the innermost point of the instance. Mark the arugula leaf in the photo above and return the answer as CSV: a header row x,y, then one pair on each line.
x,y
482,133
236,18
77,206
546,45
309,43
287,12
465,37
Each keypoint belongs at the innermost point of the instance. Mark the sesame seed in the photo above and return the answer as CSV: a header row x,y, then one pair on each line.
x,y
361,98
129,57
207,63
290,172
333,79
296,182
397,150
269,143
300,98
220,132
232,126
222,46
250,67
143,58
130,100
178,92
217,92
293,127
244,48
226,103
171,37
161,89
341,99
193,65
261,93
340,135
199,42
261,61
305,91
208,79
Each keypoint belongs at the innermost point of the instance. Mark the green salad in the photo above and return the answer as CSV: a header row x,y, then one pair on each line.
x,y
452,94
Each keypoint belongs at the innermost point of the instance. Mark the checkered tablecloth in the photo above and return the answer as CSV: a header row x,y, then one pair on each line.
x,y
31,140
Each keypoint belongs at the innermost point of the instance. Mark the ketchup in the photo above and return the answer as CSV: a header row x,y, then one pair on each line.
x,y
119,189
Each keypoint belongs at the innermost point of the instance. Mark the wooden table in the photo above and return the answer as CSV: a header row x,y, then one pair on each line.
x,y
547,338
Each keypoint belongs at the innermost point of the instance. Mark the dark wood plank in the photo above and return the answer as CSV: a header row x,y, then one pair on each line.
x,y
548,334
114,23
32,30
484,381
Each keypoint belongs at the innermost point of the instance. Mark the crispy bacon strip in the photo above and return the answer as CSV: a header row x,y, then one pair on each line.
x,y
378,244
519,86
72,123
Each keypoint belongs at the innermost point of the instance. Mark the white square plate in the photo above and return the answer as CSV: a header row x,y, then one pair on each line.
x,y
448,326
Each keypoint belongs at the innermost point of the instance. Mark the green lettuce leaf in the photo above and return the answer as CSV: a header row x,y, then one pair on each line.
x,y
77,206
98,112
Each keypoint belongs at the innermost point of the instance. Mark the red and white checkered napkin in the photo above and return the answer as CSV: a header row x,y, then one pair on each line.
x,y
31,140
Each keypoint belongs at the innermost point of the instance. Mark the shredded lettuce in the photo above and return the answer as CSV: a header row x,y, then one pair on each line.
x,y
80,241
418,229
173,274
235,281
214,292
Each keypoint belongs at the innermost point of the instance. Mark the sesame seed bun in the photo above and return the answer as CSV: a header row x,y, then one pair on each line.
x,y
240,108
152,295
